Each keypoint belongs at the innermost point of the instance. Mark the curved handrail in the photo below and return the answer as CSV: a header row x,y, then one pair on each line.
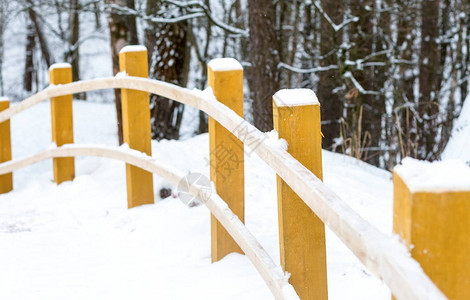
x,y
384,256
157,87
269,271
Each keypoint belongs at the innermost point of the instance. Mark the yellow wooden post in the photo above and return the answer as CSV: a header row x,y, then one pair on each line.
x,y
6,180
62,122
434,224
296,116
225,76
136,125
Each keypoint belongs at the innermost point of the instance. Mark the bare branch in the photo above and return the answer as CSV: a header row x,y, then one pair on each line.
x,y
305,71
358,85
195,13
203,6
335,27
129,11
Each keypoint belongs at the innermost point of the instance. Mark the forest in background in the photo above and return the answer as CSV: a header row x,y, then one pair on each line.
x,y
391,75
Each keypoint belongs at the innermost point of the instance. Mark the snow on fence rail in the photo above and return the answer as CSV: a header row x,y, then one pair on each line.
x,y
383,255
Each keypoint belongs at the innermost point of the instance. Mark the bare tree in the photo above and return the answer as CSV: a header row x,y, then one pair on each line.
x,y
169,47
74,35
73,55
364,108
123,32
5,12
330,82
29,63
34,33
264,75
391,75
428,105
41,37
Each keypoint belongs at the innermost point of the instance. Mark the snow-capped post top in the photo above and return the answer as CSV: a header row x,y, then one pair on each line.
x,y
424,176
4,99
60,66
133,48
295,97
224,64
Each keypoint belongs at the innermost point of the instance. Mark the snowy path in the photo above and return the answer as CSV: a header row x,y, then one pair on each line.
x,y
78,240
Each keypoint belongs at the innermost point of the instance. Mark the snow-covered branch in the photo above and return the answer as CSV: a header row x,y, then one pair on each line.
x,y
360,63
402,61
173,20
374,64
201,11
457,84
358,85
82,40
335,27
305,71
154,19
207,11
411,106
375,54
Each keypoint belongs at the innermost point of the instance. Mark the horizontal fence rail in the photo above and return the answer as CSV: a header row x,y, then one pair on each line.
x,y
384,256
269,271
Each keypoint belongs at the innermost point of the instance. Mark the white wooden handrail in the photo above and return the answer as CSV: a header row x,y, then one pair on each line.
x,y
384,256
157,87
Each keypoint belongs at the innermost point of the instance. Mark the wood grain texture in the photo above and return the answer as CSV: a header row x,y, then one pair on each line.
x,y
6,180
301,232
62,124
435,227
136,128
401,209
381,254
226,159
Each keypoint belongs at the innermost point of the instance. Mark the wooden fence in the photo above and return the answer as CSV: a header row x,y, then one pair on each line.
x,y
305,203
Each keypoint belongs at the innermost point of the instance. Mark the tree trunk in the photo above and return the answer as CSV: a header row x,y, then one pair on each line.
x,y
74,36
367,134
169,50
131,21
405,99
202,55
29,64
3,21
283,13
74,33
203,118
445,48
46,55
428,106
309,33
96,9
289,39
328,94
384,81
464,60
122,33
264,75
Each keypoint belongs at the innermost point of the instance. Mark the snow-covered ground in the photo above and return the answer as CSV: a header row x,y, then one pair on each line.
x,y
78,240
458,146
